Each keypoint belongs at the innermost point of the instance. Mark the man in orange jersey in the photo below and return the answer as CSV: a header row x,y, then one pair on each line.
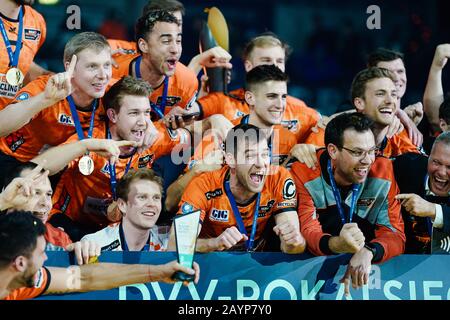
x,y
237,201
266,94
50,109
411,115
374,94
347,204
18,18
265,49
82,196
23,275
158,36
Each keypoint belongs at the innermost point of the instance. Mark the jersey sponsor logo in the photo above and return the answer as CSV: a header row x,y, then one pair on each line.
x,y
219,215
187,207
110,247
32,34
291,125
105,168
170,101
289,189
287,204
278,159
365,202
15,140
7,90
23,96
213,194
63,201
263,210
39,278
65,119
144,161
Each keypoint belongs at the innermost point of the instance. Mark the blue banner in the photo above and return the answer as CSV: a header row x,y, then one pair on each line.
x,y
277,276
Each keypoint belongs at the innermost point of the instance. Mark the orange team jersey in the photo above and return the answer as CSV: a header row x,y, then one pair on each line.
x,y
206,193
41,283
230,106
33,37
85,199
298,117
56,237
128,46
392,147
282,141
182,89
50,127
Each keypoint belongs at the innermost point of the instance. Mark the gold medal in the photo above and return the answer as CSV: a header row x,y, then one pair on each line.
x,y
14,77
86,165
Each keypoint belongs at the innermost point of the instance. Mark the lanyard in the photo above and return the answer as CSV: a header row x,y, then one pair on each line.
x,y
124,244
428,219
269,141
76,119
13,56
112,172
158,109
337,196
237,215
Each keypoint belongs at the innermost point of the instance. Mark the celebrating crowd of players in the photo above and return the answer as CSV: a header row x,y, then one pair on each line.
x,y
101,157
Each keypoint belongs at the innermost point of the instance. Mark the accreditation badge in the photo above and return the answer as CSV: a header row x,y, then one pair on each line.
x,y
14,77
86,165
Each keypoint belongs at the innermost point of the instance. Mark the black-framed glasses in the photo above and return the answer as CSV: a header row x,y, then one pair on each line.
x,y
361,154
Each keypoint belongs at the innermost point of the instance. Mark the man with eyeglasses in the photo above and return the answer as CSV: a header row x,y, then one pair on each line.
x,y
347,204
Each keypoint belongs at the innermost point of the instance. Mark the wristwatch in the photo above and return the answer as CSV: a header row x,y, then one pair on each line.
x,y
372,249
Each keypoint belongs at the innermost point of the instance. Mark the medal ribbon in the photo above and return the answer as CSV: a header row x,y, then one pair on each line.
x,y
13,56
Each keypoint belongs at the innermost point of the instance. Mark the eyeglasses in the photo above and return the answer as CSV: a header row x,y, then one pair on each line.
x,y
360,154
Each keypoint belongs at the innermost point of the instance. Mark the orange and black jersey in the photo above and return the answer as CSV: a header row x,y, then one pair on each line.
x,y
41,284
182,86
280,144
298,117
33,37
50,127
207,193
85,199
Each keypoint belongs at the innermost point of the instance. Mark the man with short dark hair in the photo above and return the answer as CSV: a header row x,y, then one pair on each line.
x,y
23,276
347,204
237,201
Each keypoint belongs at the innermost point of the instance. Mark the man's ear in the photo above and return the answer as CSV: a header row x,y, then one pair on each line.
x,y
248,65
249,98
443,125
20,263
230,161
332,151
359,104
143,45
112,115
122,205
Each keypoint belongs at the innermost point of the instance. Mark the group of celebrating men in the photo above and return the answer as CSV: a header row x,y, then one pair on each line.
x,y
102,157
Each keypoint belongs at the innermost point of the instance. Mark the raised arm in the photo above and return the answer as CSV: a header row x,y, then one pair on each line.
x,y
434,93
